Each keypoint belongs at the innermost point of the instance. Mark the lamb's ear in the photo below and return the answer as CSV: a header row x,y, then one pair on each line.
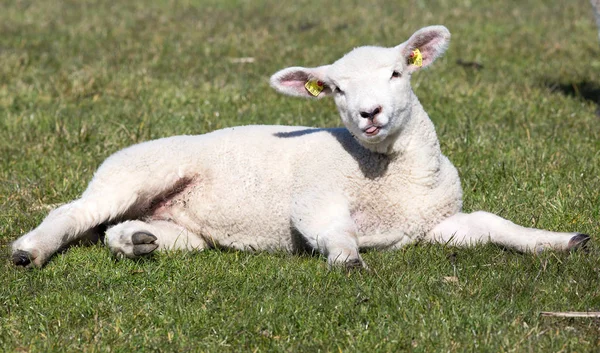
x,y
424,46
301,82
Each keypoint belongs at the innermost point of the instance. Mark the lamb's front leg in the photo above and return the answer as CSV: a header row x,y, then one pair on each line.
x,y
464,229
324,221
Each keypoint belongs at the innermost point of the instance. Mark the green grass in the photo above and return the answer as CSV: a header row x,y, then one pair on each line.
x,y
80,80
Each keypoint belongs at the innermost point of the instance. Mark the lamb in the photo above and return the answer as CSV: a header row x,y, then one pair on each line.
x,y
379,183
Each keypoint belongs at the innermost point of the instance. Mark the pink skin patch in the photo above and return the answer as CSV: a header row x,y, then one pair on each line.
x,y
161,206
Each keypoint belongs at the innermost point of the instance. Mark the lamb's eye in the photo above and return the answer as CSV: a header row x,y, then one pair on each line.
x,y
338,90
395,74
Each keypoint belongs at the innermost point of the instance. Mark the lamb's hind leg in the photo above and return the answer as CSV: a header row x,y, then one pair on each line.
x,y
65,225
123,188
480,227
133,239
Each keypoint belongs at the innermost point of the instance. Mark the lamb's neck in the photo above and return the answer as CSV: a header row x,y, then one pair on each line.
x,y
416,146
417,134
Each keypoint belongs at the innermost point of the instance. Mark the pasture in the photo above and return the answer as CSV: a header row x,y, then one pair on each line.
x,y
516,104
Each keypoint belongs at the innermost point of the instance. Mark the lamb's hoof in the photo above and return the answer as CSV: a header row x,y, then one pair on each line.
x,y
354,265
21,258
143,243
578,242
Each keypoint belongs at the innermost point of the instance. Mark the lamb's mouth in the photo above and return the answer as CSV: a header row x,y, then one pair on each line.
x,y
372,130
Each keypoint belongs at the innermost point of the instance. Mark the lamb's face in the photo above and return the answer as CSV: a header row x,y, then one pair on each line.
x,y
372,92
370,85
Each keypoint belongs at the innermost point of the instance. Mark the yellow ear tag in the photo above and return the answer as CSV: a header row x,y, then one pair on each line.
x,y
416,58
314,87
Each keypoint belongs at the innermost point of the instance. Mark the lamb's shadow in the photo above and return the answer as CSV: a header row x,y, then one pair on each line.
x,y
372,165
586,90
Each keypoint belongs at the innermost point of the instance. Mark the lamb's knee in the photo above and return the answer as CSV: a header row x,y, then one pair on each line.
x,y
460,230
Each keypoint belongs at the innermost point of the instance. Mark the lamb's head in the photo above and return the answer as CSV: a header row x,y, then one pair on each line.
x,y
370,85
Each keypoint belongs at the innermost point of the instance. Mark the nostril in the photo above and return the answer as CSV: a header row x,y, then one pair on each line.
x,y
371,114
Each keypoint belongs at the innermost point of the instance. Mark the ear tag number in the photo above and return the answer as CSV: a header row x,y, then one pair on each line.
x,y
416,58
314,87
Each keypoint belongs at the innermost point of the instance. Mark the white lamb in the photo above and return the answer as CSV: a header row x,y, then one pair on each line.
x,y
381,182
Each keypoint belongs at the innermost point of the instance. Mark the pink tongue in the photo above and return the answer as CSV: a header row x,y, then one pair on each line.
x,y
371,130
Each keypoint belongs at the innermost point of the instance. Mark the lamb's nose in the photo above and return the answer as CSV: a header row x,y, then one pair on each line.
x,y
372,114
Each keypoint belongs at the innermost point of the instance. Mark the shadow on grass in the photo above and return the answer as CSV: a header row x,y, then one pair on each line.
x,y
586,90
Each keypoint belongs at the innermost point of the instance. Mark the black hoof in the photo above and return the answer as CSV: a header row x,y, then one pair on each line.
x,y
143,243
579,242
353,265
21,258
142,238
144,249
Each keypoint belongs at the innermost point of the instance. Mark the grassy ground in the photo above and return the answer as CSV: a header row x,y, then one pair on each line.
x,y
79,80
